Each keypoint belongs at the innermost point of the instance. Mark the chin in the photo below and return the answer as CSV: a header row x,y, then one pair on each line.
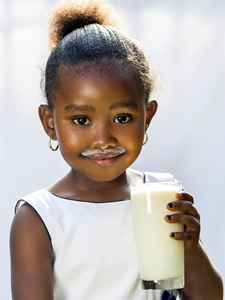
x,y
105,176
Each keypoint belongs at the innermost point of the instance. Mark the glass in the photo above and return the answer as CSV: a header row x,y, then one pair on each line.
x,y
161,258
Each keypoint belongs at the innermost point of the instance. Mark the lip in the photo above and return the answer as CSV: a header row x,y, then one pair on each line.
x,y
103,155
103,159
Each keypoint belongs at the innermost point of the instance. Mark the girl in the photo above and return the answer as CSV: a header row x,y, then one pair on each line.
x,y
74,240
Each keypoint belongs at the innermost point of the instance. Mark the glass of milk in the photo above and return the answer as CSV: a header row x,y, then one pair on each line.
x,y
161,258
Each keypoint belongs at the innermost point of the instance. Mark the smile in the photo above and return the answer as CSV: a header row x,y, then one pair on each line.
x,y
104,157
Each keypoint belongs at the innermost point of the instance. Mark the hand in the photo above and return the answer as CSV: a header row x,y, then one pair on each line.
x,y
190,218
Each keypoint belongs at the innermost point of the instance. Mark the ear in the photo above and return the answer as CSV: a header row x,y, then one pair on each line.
x,y
46,117
150,112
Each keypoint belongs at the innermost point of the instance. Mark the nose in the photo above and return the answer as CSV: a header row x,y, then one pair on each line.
x,y
103,137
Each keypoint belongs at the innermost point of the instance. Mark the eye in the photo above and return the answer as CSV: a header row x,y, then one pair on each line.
x,y
81,121
123,119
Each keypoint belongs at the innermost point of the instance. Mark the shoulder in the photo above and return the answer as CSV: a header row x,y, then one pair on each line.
x,y
40,202
135,177
25,214
146,177
157,177
28,227
38,197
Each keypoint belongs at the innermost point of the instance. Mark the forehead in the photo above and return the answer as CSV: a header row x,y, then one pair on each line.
x,y
105,82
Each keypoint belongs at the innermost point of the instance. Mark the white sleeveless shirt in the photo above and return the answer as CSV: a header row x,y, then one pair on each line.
x,y
93,245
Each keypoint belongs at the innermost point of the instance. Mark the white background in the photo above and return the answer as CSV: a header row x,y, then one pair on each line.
x,y
186,41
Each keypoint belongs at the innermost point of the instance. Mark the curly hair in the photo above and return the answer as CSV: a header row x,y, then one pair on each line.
x,y
68,16
82,35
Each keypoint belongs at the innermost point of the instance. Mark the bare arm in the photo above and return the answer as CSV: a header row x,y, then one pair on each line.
x,y
31,257
202,280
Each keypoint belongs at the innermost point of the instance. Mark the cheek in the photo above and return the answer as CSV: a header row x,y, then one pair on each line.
x,y
69,138
133,139
72,142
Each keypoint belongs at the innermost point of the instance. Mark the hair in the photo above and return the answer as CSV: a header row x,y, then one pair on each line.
x,y
83,35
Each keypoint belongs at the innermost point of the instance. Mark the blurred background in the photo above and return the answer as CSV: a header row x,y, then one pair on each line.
x,y
185,40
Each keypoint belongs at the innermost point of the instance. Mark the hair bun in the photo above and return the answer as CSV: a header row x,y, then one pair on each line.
x,y
67,16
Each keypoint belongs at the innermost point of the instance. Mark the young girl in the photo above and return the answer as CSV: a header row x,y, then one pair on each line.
x,y
74,240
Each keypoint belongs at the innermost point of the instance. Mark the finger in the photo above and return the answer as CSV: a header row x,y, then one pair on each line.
x,y
188,220
183,195
185,206
184,236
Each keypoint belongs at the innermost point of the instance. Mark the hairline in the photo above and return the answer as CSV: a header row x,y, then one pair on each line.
x,y
97,67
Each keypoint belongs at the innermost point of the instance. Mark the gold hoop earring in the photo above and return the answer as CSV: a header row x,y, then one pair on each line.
x,y
50,145
146,138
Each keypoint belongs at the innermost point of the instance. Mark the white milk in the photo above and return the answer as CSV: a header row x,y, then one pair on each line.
x,y
160,257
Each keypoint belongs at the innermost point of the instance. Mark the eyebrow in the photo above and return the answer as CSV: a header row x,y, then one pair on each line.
x,y
75,107
86,107
130,104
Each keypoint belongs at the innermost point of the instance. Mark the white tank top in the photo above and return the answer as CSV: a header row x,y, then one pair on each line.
x,y
93,245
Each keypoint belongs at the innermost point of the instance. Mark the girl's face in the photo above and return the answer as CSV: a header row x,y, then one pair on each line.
x,y
99,121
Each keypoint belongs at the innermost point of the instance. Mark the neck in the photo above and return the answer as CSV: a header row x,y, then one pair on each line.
x,y
115,189
75,186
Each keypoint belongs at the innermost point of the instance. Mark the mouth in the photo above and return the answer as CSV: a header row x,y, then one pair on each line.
x,y
104,157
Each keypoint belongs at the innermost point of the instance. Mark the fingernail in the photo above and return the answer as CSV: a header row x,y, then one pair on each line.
x,y
172,234
169,217
170,205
